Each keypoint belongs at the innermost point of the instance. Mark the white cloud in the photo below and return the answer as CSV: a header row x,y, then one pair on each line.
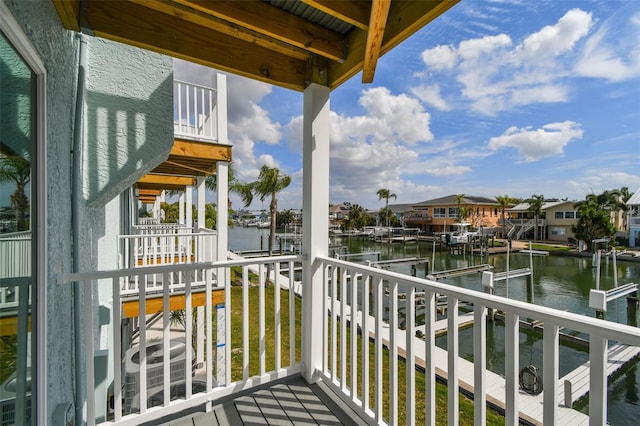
x,y
601,60
554,40
534,144
494,73
430,95
374,149
440,58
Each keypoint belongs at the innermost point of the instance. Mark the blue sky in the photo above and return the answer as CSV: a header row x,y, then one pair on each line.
x,y
492,98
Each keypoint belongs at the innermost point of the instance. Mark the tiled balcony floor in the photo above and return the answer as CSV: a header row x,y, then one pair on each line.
x,y
289,402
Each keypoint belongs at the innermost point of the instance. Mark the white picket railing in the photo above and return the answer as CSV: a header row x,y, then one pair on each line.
x,y
350,289
215,381
194,111
166,245
375,290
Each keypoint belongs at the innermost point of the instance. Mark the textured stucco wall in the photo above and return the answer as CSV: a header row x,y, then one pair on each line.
x,y
129,117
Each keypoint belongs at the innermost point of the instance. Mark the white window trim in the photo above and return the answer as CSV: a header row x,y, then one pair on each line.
x,y
20,41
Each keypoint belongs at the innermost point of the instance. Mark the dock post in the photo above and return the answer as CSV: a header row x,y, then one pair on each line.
x,y
568,397
632,310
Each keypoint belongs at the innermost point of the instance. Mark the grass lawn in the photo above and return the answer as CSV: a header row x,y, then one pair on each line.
x,y
466,404
546,247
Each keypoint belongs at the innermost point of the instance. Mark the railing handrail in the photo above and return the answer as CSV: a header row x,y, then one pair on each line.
x,y
607,329
160,235
200,86
183,267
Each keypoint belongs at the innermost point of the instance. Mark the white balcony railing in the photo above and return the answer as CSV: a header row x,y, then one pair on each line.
x,y
356,372
135,404
15,263
194,111
377,292
166,245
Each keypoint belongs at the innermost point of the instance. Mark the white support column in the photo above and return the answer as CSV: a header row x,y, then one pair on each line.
x,y
189,206
156,208
222,207
221,108
315,220
201,203
181,217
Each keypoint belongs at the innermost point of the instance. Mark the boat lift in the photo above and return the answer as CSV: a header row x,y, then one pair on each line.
x,y
598,299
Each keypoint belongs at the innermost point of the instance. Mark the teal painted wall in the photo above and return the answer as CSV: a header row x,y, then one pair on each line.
x,y
128,117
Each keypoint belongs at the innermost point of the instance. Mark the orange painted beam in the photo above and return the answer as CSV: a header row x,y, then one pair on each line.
x,y
131,308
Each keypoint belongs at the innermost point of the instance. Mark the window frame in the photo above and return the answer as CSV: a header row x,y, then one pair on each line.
x,y
14,33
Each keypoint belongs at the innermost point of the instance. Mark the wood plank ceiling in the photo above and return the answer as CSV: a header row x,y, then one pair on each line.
x,y
287,43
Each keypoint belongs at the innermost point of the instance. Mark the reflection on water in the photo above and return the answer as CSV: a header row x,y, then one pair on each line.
x,y
559,282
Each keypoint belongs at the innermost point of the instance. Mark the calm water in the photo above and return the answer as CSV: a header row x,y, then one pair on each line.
x,y
559,282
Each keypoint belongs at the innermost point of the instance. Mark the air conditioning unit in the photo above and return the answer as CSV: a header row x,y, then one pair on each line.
x,y
8,399
155,370
155,396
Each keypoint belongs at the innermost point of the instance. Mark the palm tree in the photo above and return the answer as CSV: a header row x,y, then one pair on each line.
x,y
269,183
535,206
458,199
211,183
504,202
386,194
171,212
18,171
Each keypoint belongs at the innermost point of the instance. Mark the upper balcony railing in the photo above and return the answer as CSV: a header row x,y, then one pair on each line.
x,y
634,220
166,244
194,109
358,301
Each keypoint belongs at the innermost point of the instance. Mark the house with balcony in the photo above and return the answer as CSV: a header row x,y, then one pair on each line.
x,y
554,223
634,219
440,214
111,319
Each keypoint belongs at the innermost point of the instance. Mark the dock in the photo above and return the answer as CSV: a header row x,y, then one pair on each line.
x,y
458,272
530,406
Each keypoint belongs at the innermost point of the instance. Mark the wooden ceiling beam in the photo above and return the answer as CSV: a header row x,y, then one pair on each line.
x,y
155,179
355,13
275,23
149,192
212,22
147,200
200,150
69,12
133,24
377,24
405,18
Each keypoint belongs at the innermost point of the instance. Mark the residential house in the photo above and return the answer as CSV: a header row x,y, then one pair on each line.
x,y
560,217
634,219
554,222
440,214
92,118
